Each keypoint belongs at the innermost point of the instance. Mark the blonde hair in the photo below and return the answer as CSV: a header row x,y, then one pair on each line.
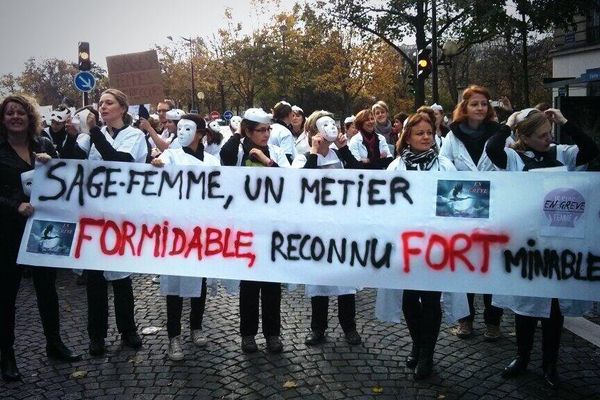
x,y
413,120
527,127
310,127
380,104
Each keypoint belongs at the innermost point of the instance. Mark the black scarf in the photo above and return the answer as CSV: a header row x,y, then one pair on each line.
x,y
248,145
289,126
58,137
199,153
474,139
422,161
539,160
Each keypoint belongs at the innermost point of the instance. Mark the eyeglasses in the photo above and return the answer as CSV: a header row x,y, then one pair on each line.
x,y
263,130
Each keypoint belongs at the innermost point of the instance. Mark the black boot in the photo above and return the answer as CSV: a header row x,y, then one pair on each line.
x,y
56,349
413,329
516,367
551,375
413,357
10,372
431,320
97,347
425,363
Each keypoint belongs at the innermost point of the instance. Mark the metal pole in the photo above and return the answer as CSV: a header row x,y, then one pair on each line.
x,y
524,58
434,47
192,69
283,31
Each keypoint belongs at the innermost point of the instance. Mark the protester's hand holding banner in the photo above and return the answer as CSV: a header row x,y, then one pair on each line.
x,y
501,233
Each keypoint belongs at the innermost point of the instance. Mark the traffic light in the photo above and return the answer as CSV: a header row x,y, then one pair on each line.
x,y
424,63
84,56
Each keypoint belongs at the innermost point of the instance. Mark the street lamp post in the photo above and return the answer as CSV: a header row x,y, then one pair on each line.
x,y
434,59
200,96
193,88
450,49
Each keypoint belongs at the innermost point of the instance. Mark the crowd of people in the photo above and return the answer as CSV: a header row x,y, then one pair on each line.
x,y
477,139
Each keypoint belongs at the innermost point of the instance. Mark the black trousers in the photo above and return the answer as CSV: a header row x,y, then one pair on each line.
x,y
491,314
44,282
270,297
551,332
423,316
346,312
97,296
175,306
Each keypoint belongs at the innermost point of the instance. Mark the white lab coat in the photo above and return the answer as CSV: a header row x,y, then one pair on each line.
x,y
282,137
301,143
359,150
388,304
214,150
177,285
130,140
330,160
540,306
455,150
566,154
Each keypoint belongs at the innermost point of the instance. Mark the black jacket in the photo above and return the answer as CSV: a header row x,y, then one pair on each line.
x,y
11,168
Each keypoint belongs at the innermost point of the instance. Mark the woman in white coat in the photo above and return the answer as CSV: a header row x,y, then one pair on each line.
x,y
368,146
255,151
322,132
534,150
281,135
191,129
116,141
473,124
298,131
422,309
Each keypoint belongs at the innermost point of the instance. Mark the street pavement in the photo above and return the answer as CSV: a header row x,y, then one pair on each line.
x,y
465,369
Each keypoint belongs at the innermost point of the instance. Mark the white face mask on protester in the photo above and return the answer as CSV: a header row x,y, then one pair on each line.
x,y
186,131
327,128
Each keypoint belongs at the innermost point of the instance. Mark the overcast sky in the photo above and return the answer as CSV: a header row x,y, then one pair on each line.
x,y
52,28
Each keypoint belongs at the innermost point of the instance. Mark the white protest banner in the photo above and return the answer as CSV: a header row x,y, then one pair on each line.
x,y
496,232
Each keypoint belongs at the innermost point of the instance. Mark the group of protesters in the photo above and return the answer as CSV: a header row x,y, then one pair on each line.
x,y
477,139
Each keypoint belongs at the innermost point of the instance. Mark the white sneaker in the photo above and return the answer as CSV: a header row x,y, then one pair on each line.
x,y
199,338
175,352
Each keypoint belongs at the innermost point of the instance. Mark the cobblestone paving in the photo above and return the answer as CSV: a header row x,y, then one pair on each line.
x,y
465,369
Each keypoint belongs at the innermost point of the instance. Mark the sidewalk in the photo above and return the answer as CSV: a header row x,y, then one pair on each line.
x,y
465,369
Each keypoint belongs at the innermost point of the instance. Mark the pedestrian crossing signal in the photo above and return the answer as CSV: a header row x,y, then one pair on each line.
x,y
84,56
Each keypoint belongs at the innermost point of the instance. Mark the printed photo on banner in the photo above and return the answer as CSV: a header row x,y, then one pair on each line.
x,y
51,237
463,199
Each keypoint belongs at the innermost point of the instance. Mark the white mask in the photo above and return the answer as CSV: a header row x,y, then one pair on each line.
x,y
327,128
186,131
235,123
